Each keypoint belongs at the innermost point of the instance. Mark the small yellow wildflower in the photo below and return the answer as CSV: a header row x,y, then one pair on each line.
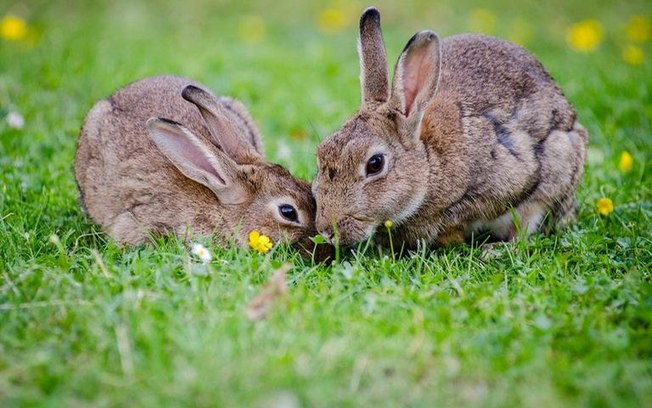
x,y
252,29
13,28
584,36
260,242
633,55
389,224
638,29
332,20
626,162
483,21
605,206
201,252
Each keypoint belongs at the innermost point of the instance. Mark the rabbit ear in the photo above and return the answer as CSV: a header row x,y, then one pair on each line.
x,y
195,159
224,132
417,74
373,60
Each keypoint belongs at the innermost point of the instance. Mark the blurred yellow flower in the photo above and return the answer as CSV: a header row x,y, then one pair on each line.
x,y
605,206
638,29
633,55
483,20
626,162
584,36
13,28
259,242
252,29
389,224
333,20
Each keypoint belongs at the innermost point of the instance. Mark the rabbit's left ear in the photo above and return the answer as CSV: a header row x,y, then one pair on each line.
x,y
417,74
196,160
373,60
224,132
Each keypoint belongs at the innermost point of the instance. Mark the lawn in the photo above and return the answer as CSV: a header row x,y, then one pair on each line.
x,y
560,320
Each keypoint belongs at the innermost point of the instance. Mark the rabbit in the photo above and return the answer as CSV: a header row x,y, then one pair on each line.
x,y
473,137
163,155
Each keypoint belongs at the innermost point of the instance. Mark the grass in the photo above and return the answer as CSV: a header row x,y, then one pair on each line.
x,y
559,320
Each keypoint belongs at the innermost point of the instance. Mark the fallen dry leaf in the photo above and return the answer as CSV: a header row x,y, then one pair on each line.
x,y
275,288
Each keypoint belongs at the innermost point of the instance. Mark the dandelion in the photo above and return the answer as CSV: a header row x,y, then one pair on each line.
x,y
202,253
252,29
13,28
633,55
259,242
332,20
389,224
15,120
605,206
638,29
584,36
483,20
626,162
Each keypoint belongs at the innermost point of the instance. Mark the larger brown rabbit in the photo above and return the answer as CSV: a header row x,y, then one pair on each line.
x,y
141,172
474,136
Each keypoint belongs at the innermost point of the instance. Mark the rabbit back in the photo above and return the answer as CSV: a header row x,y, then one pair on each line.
x,y
510,133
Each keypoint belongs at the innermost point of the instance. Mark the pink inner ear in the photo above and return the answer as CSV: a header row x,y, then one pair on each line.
x,y
416,69
186,154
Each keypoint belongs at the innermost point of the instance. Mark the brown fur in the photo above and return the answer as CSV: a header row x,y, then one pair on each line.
x,y
474,127
132,189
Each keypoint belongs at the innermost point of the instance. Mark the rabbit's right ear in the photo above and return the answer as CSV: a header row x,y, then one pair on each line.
x,y
224,132
195,159
416,75
374,76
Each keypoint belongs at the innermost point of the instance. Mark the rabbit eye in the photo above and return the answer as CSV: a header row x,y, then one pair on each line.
x,y
375,164
288,212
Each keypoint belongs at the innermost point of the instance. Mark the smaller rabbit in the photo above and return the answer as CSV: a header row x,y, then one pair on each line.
x,y
474,136
162,155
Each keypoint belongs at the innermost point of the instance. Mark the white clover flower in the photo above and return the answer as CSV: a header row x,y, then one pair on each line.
x,y
15,120
201,252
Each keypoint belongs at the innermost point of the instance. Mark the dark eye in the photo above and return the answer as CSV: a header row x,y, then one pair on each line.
x,y
375,164
288,212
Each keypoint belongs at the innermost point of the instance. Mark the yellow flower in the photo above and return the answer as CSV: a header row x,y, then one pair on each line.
x,y
333,20
633,55
638,29
605,206
252,29
259,242
584,36
389,224
626,162
13,28
483,20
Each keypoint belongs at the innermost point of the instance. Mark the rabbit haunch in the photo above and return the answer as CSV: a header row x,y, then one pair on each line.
x,y
473,132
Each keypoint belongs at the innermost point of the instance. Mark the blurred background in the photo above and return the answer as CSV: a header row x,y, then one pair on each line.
x,y
294,64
